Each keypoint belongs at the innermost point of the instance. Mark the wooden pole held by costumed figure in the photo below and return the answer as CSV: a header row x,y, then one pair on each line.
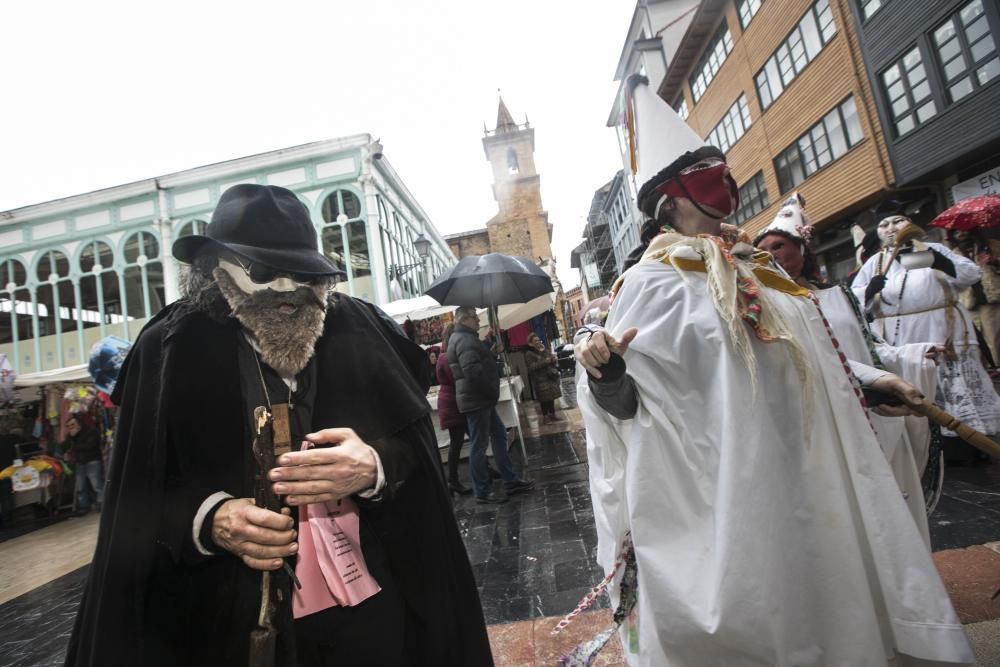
x,y
967,433
909,232
273,439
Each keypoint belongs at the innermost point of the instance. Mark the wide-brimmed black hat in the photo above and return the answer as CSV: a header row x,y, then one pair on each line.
x,y
263,224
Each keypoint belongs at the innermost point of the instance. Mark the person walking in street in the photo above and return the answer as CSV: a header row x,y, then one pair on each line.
x,y
85,445
204,542
739,491
451,419
906,440
477,390
544,370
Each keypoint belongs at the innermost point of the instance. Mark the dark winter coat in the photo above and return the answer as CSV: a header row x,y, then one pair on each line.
x,y
448,412
544,374
152,599
477,382
85,445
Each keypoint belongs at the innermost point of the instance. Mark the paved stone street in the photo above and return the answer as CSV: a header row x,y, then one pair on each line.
x,y
533,558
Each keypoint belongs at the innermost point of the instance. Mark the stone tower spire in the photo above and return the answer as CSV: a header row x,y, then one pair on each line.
x,y
505,122
521,226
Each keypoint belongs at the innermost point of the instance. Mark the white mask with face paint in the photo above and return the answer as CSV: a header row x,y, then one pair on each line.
x,y
241,276
889,227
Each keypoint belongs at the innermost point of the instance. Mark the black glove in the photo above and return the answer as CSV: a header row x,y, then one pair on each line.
x,y
875,286
942,263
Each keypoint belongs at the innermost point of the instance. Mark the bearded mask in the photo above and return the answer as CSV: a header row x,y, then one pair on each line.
x,y
284,315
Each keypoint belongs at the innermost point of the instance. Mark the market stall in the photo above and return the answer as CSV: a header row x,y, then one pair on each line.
x,y
510,390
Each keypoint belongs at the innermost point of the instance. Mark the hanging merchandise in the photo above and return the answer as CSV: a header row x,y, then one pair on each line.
x,y
106,358
80,398
7,377
53,403
428,330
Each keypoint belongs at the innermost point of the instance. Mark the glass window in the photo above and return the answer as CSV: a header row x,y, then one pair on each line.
x,y
142,281
753,199
824,17
823,143
682,109
52,265
193,228
15,304
869,7
813,31
849,112
99,285
733,125
341,201
835,133
966,51
747,9
908,92
711,61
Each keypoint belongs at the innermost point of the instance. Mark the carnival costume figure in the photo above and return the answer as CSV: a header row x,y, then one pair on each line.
x,y
910,289
735,476
275,496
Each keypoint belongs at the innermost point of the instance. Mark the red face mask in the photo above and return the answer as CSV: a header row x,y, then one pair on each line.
x,y
710,186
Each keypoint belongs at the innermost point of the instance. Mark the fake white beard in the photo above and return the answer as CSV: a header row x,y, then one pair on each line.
x,y
286,341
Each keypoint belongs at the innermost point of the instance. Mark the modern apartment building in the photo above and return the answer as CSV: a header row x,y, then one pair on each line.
x,y
935,67
781,86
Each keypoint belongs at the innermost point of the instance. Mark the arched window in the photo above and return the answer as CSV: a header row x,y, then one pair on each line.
x,y
345,240
142,281
192,228
512,166
15,306
341,201
100,296
55,307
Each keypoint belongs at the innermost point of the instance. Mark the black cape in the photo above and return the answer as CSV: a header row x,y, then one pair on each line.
x,y
152,599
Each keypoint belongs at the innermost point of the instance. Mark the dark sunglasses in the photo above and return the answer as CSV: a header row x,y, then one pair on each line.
x,y
261,274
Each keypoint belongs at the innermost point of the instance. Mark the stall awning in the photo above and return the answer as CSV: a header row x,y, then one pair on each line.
x,y
78,373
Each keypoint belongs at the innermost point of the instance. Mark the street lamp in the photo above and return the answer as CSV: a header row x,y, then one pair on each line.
x,y
423,247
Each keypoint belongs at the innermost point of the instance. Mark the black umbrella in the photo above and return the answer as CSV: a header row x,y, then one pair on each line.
x,y
488,281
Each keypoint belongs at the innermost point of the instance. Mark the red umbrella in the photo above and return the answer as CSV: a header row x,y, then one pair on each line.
x,y
973,213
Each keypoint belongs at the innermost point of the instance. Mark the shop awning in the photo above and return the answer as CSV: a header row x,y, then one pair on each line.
x,y
78,373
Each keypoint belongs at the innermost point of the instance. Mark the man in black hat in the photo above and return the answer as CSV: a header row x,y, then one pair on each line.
x,y
176,579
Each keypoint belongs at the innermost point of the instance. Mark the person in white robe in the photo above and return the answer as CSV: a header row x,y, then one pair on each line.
x,y
766,523
905,441
920,305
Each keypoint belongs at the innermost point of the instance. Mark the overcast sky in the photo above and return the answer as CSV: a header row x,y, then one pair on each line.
x,y
102,93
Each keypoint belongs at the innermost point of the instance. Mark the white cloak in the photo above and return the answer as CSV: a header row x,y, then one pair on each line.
x,y
902,442
768,529
964,388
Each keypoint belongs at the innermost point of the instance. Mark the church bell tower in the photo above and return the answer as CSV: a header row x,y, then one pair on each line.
x,y
521,226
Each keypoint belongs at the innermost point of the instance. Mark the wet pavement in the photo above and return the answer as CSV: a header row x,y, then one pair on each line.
x,y
533,557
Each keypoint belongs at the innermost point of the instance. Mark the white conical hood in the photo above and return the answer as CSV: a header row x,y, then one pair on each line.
x,y
791,220
660,136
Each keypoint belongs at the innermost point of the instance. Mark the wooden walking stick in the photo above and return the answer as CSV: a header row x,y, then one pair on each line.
x,y
967,433
273,439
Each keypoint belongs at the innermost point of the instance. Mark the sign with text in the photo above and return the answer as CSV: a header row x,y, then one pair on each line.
x,y
593,277
986,183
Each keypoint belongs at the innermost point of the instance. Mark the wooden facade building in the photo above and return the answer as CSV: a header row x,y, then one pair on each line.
x,y
786,89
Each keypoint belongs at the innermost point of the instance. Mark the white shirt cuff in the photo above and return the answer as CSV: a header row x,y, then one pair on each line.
x,y
866,374
379,480
199,519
